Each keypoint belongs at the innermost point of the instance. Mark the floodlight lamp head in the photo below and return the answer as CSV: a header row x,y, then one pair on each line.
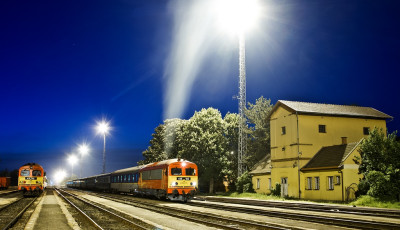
x,y
237,16
103,127
83,149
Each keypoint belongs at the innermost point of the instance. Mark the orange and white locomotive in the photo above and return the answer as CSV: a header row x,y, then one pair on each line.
x,y
31,179
174,179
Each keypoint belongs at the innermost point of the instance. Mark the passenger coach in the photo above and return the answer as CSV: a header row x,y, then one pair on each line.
x,y
174,179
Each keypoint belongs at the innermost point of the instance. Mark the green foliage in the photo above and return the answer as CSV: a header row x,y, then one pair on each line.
x,y
202,141
375,202
244,183
163,144
258,145
380,165
211,142
277,190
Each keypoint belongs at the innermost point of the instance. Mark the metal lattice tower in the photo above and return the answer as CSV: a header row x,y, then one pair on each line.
x,y
242,146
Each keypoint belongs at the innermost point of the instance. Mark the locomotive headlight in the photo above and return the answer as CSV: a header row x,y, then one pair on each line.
x,y
174,183
193,183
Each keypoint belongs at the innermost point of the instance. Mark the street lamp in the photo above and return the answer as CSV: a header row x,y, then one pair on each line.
x,y
83,150
72,159
59,176
103,128
239,16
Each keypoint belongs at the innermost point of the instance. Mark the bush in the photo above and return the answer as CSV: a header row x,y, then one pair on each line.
x,y
244,183
277,190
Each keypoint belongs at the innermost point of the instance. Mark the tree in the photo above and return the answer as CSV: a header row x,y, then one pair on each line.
x,y
231,123
380,165
202,141
259,131
163,144
155,152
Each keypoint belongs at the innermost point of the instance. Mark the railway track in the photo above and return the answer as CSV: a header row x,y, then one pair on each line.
x,y
210,220
10,213
6,193
363,211
99,217
301,216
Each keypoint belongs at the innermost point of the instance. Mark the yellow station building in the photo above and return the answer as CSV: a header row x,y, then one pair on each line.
x,y
312,149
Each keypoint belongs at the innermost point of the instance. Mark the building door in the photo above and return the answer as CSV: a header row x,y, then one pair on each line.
x,y
284,186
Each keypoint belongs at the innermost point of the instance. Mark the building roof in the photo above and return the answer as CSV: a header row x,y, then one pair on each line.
x,y
263,166
330,109
330,156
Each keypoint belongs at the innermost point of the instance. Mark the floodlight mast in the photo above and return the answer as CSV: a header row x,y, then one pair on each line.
x,y
242,145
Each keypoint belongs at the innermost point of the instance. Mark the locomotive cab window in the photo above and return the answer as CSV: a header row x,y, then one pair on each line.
x,y
36,173
25,172
190,172
176,171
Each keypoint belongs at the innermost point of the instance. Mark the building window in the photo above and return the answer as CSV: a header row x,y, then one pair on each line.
x,y
283,130
269,184
337,180
330,182
309,183
322,128
316,180
366,130
258,183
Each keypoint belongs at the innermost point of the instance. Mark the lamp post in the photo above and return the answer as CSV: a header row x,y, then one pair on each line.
x,y
72,159
239,16
83,150
103,128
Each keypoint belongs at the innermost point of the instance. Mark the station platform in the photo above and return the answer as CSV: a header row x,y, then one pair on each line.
x,y
51,213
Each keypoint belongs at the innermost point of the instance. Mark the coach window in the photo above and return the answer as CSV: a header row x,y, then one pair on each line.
x,y
190,172
176,171
25,172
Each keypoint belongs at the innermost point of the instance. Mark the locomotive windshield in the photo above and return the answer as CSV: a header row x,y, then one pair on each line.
x,y
36,173
190,172
176,171
25,172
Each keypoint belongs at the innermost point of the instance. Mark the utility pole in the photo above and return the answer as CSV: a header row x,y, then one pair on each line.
x,y
242,145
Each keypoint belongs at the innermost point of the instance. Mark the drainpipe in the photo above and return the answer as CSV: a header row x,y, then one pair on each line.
x,y
298,153
341,173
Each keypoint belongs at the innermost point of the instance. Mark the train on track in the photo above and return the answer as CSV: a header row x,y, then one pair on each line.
x,y
173,179
32,179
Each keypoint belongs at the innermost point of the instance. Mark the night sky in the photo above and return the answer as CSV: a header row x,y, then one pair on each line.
x,y
66,64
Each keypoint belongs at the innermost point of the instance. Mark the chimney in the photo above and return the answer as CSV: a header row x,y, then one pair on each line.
x,y
344,140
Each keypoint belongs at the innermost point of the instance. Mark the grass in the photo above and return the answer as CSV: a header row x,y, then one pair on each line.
x,y
366,201
374,202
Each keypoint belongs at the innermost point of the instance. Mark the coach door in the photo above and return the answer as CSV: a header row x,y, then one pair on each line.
x,y
284,187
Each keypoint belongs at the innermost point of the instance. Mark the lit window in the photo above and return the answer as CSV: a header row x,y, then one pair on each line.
x,y
309,183
330,182
366,130
322,128
283,130
316,180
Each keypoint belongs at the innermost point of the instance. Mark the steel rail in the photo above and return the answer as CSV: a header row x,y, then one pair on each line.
x,y
377,212
344,222
16,218
80,211
103,210
205,217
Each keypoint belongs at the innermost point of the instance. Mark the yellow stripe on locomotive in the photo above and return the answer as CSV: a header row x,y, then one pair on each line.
x,y
31,179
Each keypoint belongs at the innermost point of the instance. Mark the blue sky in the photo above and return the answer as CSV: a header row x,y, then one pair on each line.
x,y
66,64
